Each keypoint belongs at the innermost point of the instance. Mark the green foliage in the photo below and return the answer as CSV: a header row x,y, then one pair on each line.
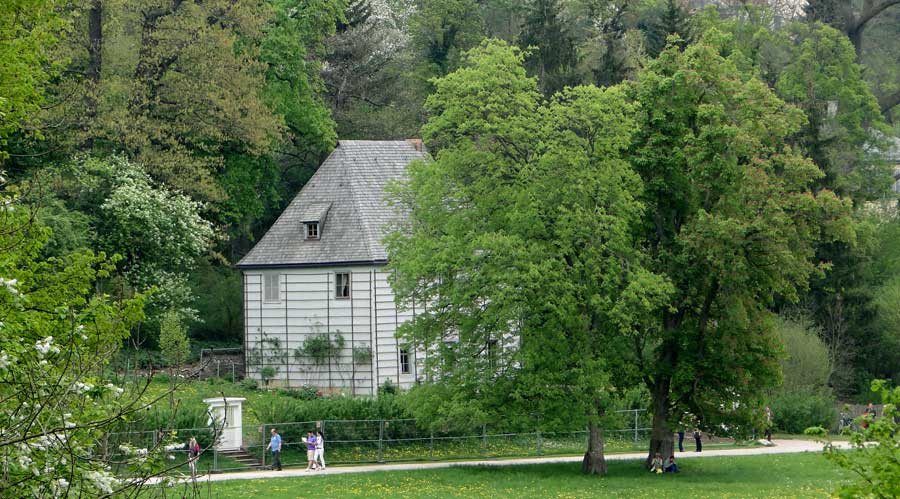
x,y
520,242
442,30
248,384
321,348
266,355
267,373
669,17
180,88
874,461
388,388
305,392
28,31
731,221
294,86
796,410
553,58
807,362
173,340
362,355
56,340
219,302
823,72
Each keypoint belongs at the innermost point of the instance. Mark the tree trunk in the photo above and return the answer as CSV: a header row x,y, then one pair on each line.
x,y
662,440
95,63
594,463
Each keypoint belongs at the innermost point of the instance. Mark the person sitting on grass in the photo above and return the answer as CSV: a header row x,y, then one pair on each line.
x,y
656,466
671,467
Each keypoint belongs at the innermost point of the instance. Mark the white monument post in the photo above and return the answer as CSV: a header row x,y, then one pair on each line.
x,y
226,414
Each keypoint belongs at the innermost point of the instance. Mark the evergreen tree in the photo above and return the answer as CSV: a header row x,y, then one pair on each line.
x,y
554,57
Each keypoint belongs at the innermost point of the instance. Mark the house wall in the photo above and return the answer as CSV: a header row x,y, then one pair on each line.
x,y
307,307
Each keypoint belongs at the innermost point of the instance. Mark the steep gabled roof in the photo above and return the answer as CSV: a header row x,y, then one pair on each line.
x,y
348,191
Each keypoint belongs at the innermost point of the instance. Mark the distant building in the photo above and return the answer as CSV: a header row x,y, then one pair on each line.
x,y
318,309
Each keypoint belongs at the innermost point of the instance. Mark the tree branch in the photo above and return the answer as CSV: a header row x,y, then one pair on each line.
x,y
888,102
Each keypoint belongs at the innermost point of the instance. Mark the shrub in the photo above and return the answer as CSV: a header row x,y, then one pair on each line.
x,y
388,388
321,348
806,365
362,355
873,461
305,392
249,384
795,410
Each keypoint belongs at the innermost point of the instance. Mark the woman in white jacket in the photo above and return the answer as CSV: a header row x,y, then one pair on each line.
x,y
319,456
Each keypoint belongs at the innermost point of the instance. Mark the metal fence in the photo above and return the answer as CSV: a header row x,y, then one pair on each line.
x,y
392,440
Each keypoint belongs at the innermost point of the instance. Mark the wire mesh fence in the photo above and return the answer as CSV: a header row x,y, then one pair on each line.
x,y
388,440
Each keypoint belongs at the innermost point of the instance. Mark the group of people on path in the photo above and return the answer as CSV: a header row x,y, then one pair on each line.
x,y
315,450
697,439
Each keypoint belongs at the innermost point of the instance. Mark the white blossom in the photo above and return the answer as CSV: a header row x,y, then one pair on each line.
x,y
79,387
172,447
113,388
4,359
104,481
10,285
46,346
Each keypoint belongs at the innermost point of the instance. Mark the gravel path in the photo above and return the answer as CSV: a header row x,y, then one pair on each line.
x,y
780,447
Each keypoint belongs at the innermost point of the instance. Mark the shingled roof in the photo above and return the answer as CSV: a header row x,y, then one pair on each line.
x,y
348,190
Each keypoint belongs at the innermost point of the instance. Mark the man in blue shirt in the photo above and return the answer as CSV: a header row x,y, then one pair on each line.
x,y
275,445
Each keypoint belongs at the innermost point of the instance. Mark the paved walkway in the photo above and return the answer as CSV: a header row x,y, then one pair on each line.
x,y
780,447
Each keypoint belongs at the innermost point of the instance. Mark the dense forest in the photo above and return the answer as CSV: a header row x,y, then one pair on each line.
x,y
173,132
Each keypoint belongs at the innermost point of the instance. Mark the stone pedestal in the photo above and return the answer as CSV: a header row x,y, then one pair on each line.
x,y
226,413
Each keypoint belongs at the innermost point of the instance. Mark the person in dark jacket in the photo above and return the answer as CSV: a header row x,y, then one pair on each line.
x,y
681,440
697,436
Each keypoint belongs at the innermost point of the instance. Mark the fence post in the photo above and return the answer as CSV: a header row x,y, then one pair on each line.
x,y
262,440
380,441
539,451
431,447
232,372
635,427
215,460
484,440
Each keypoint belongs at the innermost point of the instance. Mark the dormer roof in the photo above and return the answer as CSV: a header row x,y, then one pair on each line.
x,y
348,190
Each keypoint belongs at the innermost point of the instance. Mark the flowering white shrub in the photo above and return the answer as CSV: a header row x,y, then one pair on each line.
x,y
56,340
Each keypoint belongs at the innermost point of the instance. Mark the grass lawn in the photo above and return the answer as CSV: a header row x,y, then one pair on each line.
x,y
783,476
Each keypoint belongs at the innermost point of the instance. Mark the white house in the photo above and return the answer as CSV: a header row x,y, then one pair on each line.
x,y
318,309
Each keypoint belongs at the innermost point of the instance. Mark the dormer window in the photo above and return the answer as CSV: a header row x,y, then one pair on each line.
x,y
312,217
312,230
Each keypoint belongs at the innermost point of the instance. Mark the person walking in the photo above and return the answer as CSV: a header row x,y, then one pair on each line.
x,y
319,456
681,440
310,451
193,456
697,436
769,423
275,445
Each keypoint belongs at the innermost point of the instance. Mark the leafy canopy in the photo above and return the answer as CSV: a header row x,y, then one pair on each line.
x,y
518,253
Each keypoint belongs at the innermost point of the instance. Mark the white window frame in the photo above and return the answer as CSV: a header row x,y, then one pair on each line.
x,y
338,288
309,235
404,367
271,281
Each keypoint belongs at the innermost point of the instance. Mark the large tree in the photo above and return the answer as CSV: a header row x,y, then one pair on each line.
x,y
731,222
28,31
517,253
